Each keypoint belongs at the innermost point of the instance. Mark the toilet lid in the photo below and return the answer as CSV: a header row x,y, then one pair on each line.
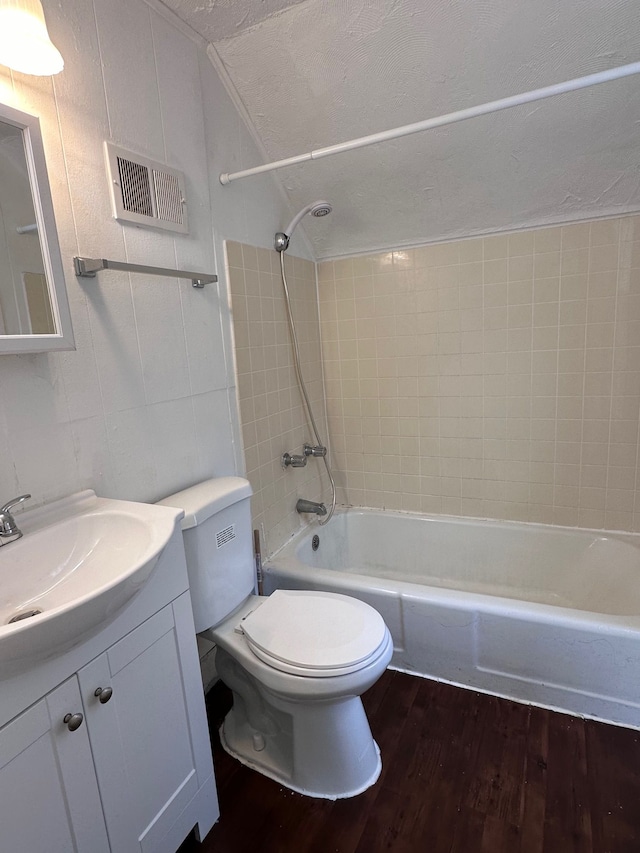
x,y
314,633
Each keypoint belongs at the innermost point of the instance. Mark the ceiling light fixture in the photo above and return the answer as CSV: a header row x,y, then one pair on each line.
x,y
24,39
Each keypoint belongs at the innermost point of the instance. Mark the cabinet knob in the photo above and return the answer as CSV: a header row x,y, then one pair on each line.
x,y
103,694
73,721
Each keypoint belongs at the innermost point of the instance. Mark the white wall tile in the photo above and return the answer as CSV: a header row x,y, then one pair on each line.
x,y
161,337
154,356
79,370
175,447
44,461
115,341
133,470
210,363
92,454
215,441
129,71
34,394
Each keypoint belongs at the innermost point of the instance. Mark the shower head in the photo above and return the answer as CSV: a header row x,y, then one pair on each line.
x,y
321,208
316,208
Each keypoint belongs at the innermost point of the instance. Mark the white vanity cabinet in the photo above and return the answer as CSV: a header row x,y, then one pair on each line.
x,y
144,754
49,799
136,774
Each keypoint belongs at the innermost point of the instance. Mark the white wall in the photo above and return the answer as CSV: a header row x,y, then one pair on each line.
x,y
146,405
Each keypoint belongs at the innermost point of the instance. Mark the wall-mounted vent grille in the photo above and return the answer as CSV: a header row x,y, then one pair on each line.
x,y
135,187
226,535
168,197
144,192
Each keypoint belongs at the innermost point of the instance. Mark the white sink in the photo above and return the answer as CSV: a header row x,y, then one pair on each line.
x,y
79,561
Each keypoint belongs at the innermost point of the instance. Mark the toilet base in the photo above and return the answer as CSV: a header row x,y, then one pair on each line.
x,y
246,754
321,747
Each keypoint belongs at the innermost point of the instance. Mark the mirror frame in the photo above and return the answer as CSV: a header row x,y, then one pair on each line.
x,y
48,236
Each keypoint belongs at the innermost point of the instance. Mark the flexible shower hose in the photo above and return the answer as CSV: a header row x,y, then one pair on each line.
x,y
302,386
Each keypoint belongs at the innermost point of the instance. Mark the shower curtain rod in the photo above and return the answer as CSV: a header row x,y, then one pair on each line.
x,y
440,121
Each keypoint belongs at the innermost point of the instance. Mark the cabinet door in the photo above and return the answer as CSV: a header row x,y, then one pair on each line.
x,y
140,737
49,797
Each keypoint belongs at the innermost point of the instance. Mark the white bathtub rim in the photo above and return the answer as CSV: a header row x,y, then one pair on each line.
x,y
348,509
613,625
624,623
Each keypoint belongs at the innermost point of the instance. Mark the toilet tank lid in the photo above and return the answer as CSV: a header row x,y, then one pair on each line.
x,y
203,500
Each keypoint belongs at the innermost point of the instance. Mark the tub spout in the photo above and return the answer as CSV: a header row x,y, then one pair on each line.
x,y
304,505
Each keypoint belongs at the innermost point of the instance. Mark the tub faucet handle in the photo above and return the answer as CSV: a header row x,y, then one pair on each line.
x,y
318,450
293,460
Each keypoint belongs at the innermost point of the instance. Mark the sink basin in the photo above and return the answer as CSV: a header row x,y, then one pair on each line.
x,y
80,560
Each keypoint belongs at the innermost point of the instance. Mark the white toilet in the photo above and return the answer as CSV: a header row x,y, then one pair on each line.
x,y
297,662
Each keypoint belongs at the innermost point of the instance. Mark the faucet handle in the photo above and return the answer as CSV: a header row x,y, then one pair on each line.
x,y
13,502
8,526
318,450
293,460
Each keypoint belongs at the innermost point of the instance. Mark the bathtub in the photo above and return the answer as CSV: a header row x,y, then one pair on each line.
x,y
539,614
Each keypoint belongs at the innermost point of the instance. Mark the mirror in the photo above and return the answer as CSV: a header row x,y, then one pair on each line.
x,y
34,311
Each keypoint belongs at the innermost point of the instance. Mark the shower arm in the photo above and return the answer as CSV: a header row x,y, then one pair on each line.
x,y
440,121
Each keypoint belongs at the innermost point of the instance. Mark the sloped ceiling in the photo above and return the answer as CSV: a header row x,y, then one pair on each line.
x,y
325,71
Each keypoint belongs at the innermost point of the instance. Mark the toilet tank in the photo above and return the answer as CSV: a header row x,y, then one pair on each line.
x,y
218,544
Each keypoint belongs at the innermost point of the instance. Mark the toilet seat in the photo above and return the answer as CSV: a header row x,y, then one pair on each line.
x,y
315,634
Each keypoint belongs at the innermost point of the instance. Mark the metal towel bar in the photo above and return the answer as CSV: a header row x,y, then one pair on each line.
x,y
88,267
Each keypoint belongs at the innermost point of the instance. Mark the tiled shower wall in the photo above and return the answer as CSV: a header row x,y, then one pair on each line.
x,y
495,377
271,411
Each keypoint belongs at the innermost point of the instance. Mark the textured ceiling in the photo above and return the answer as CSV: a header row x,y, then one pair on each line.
x,y
220,19
324,71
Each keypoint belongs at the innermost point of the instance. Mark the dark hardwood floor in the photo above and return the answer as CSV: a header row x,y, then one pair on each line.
x,y
461,772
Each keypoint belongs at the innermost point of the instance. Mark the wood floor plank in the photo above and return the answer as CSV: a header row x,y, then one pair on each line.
x,y
533,792
462,773
502,740
567,814
344,823
389,825
444,761
399,749
613,762
467,831
498,834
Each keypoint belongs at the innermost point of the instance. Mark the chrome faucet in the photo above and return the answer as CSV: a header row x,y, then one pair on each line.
x,y
293,460
304,505
299,461
319,450
9,530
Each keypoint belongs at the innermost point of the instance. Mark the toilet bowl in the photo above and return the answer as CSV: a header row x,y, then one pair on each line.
x,y
296,662
307,731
